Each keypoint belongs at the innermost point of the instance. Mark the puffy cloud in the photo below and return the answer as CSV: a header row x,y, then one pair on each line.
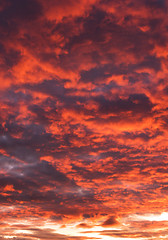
x,y
83,123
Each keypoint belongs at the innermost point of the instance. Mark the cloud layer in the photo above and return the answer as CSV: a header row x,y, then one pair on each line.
x,y
83,123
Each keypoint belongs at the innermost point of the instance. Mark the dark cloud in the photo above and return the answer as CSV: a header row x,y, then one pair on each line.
x,y
84,225
48,171
156,4
24,11
136,103
111,221
9,58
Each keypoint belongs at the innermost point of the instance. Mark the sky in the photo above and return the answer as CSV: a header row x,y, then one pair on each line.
x,y
83,119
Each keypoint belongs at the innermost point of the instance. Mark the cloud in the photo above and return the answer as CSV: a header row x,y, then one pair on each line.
x,y
111,221
28,10
83,123
84,225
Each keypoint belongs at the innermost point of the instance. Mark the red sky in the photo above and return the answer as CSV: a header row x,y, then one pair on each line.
x,y
83,119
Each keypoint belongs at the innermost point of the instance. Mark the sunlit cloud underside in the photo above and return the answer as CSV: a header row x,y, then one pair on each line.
x,y
83,119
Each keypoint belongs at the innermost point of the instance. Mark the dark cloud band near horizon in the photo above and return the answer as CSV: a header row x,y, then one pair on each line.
x,y
83,119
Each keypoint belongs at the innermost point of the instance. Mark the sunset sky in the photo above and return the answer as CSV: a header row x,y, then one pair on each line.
x,y
83,119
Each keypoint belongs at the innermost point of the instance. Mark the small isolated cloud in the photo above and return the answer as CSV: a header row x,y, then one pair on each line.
x,y
111,221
